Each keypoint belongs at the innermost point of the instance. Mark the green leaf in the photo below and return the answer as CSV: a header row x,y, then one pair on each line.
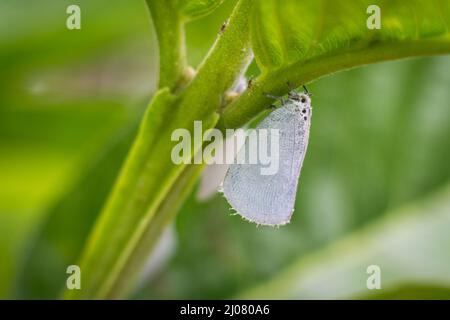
x,y
304,29
299,41
193,9
397,243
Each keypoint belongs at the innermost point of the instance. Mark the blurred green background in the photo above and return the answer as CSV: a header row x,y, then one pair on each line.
x,y
374,187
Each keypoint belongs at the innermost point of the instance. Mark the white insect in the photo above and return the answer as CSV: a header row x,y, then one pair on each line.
x,y
270,199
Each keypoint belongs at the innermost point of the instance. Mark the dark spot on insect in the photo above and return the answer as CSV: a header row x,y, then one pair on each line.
x,y
305,118
304,111
303,100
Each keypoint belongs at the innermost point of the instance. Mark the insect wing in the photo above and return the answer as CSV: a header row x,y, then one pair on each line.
x,y
270,199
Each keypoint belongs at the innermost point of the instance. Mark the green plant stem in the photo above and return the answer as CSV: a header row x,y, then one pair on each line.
x,y
169,26
254,100
135,212
162,218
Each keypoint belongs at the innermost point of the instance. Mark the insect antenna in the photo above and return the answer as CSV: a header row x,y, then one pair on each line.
x,y
306,90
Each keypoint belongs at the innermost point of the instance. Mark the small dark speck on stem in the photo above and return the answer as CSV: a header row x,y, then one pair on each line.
x,y
223,27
